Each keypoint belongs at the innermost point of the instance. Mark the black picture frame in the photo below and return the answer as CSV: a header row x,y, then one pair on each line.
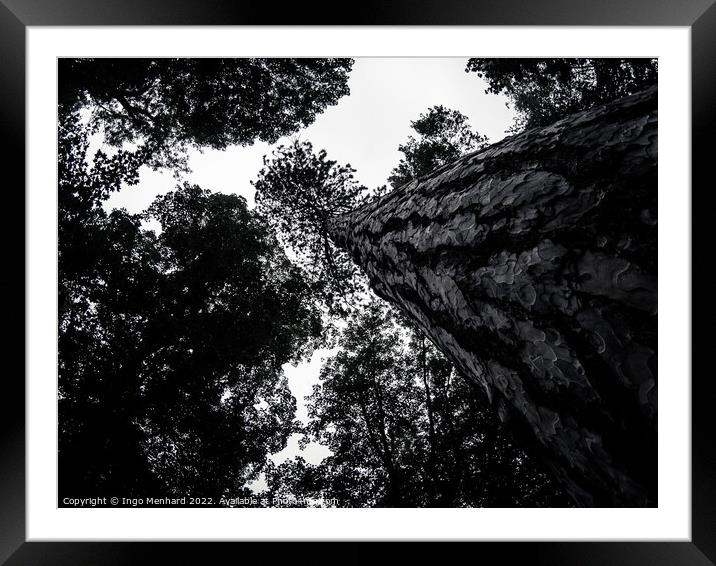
x,y
16,15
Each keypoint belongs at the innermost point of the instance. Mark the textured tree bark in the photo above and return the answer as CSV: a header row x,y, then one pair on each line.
x,y
532,265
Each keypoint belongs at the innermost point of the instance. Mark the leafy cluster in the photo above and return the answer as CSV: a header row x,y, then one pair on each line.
x,y
300,191
405,430
443,136
171,104
545,90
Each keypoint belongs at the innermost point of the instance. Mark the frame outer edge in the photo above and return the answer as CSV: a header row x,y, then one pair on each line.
x,y
74,12
371,12
12,399
703,124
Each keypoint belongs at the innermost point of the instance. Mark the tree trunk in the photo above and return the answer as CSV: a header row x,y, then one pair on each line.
x,y
532,265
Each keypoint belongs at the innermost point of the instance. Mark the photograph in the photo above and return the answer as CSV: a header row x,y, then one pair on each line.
x,y
367,282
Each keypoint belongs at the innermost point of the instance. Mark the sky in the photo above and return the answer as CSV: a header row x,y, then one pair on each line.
x,y
364,130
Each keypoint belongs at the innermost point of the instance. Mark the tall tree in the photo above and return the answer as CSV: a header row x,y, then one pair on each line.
x,y
170,104
544,90
299,191
532,265
443,136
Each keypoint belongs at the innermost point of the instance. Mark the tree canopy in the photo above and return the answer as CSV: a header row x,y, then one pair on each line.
x,y
170,346
175,103
544,90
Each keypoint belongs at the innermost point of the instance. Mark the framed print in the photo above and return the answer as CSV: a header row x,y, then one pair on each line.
x,y
345,286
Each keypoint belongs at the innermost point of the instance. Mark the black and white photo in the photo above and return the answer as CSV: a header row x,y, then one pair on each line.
x,y
357,282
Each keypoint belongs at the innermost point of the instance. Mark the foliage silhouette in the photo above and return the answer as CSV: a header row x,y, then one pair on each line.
x,y
171,347
443,136
172,104
544,90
